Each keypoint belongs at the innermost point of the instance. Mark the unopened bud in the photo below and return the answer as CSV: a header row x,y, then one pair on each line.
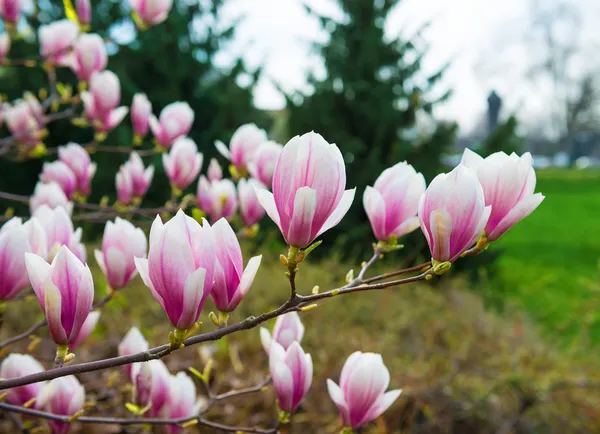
x,y
350,276
308,308
283,259
213,317
315,290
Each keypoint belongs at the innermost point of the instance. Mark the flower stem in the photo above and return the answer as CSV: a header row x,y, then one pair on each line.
x,y
291,266
61,354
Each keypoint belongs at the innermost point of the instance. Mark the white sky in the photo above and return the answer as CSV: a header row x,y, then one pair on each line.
x,y
277,33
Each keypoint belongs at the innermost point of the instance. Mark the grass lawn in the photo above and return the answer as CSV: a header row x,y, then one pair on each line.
x,y
550,262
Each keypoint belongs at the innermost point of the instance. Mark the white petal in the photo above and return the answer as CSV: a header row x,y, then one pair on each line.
x,y
267,201
340,211
222,148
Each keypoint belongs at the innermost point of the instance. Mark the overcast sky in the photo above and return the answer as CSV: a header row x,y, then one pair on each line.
x,y
469,33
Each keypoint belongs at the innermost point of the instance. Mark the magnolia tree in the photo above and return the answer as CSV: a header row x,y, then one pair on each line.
x,y
186,259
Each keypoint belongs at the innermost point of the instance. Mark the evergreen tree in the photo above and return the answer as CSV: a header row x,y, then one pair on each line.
x,y
369,102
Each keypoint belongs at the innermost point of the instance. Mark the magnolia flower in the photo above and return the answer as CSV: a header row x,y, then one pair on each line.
x,y
262,165
50,195
86,329
25,121
152,385
182,401
63,396
292,373
10,11
141,177
121,243
84,12
288,329
151,12
392,203
452,213
4,45
217,198
243,145
20,365
80,163
308,189
175,122
141,110
89,56
183,163
133,342
65,291
179,270
214,172
251,210
232,281
60,232
57,40
361,395
124,185
508,183
101,102
16,239
59,172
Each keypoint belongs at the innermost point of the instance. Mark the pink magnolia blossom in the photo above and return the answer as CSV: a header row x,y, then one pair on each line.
x,y
217,198
251,210
361,395
288,329
152,385
89,56
59,172
141,177
214,172
508,183
175,122
25,120
86,329
392,203
243,145
16,239
232,281
452,213
65,291
121,243
292,373
180,267
57,40
4,45
50,195
308,189
133,342
80,163
10,11
183,163
124,185
141,110
262,165
62,396
182,401
152,12
19,365
101,102
59,231
84,12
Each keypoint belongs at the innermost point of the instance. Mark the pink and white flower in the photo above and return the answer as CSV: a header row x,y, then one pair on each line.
x,y
251,210
217,198
175,122
288,329
292,374
183,163
20,365
243,145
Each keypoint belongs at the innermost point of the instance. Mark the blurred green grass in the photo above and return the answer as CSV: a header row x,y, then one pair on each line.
x,y
549,261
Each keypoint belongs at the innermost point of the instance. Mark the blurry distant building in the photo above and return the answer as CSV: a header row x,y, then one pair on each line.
x,y
493,114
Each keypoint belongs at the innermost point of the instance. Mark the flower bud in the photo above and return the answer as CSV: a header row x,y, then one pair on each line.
x,y
243,145
361,395
182,402
151,381
102,100
141,177
217,198
59,231
50,195
179,270
86,329
133,342
452,213
65,291
89,56
63,396
183,162
121,243
124,185
288,329
232,281
4,45
214,173
508,183
308,189
151,12
19,365
84,12
392,203
79,161
57,40
292,373
262,165
141,110
16,239
59,172
175,122
10,11
25,121
251,210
